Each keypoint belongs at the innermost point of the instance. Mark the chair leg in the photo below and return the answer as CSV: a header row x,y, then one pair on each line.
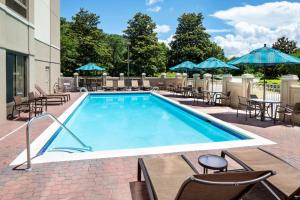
x,y
237,111
246,114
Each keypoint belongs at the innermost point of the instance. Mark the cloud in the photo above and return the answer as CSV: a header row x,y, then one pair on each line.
x,y
167,41
162,28
254,26
154,9
217,30
152,2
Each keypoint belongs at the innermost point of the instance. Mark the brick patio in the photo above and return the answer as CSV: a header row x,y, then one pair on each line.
x,y
109,178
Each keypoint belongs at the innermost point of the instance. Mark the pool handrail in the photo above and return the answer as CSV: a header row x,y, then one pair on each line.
x,y
41,116
83,88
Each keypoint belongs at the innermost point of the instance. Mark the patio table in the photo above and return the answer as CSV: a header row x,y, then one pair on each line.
x,y
265,106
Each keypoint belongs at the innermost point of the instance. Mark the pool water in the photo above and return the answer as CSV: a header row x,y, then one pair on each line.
x,y
127,121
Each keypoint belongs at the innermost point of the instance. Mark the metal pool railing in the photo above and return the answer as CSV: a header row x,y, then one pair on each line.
x,y
272,91
44,115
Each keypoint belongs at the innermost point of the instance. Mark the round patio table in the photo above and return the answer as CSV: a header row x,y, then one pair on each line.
x,y
212,162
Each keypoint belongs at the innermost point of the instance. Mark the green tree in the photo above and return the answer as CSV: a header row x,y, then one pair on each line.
x,y
118,45
191,42
69,45
92,45
285,45
145,51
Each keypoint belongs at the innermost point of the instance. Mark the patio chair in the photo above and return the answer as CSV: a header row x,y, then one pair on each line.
x,y
55,98
21,106
198,94
175,178
287,110
247,106
109,85
134,85
225,97
286,183
121,85
146,85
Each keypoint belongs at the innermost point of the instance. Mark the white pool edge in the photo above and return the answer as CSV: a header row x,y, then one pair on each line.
x,y
41,140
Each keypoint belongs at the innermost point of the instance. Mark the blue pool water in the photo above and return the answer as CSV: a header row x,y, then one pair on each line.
x,y
126,121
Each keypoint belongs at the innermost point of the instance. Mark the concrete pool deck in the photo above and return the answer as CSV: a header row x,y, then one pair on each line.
x,y
109,178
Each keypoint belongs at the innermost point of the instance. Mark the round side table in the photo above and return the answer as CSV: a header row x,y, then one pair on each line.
x,y
212,162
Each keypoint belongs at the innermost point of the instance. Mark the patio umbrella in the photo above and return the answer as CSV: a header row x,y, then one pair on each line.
x,y
265,57
214,63
184,67
90,67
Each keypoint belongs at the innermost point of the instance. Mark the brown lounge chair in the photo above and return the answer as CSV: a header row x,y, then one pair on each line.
x,y
286,183
121,85
109,85
175,178
146,85
54,98
134,85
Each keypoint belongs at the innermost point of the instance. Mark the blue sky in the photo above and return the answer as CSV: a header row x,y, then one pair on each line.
x,y
237,26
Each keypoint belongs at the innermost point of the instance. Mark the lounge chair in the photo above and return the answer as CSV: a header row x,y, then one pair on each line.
x,y
55,98
109,85
146,85
134,85
121,85
286,183
175,178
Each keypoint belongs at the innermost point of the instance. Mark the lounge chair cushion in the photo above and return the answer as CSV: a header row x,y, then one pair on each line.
x,y
167,175
287,178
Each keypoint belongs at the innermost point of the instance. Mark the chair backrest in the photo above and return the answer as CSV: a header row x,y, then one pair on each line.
x,y
109,83
297,107
121,83
31,96
40,90
243,100
228,94
146,83
17,100
221,186
134,83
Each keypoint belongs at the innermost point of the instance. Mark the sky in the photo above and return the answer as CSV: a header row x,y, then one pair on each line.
x,y
237,26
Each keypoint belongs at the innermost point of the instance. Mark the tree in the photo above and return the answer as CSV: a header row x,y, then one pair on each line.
x,y
92,45
69,45
285,45
191,42
145,52
118,45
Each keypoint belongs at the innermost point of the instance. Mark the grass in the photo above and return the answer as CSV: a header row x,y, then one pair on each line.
x,y
271,81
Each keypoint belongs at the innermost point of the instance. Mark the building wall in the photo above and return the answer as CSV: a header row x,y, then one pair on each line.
x,y
38,37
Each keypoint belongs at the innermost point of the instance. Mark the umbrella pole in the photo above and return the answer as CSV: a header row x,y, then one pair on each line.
x,y
264,96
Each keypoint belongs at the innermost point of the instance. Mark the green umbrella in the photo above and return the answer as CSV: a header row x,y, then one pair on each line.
x,y
214,63
265,57
184,67
90,67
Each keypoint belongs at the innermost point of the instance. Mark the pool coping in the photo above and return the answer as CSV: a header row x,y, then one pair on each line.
x,y
45,136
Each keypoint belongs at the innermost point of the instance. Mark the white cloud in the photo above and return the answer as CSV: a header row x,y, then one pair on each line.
x,y
154,9
162,28
217,30
167,41
152,2
254,26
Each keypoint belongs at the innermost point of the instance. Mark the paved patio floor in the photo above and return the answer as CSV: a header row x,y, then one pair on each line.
x,y
109,178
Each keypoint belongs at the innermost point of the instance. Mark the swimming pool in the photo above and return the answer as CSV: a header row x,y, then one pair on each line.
x,y
122,124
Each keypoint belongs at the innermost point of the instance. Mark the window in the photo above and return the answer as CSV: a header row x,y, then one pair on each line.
x,y
16,76
19,6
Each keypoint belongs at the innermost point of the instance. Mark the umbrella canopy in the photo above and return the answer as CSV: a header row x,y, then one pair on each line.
x,y
185,66
90,67
214,63
265,56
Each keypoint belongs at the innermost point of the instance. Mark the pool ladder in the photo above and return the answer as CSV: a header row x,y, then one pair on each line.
x,y
66,149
